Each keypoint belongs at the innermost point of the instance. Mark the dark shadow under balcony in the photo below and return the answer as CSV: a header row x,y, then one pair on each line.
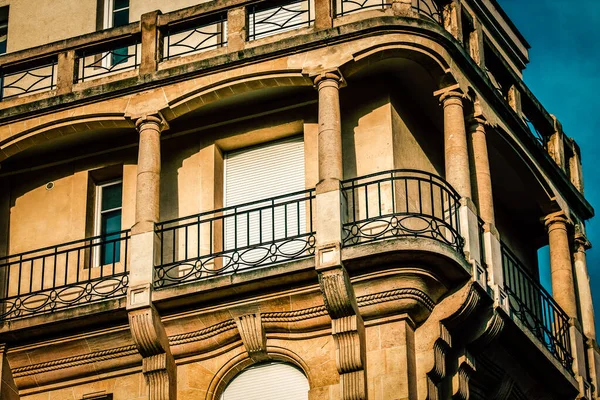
x,y
235,239
535,308
401,203
64,276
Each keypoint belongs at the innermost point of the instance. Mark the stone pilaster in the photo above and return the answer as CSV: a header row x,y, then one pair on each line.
x,y
65,72
147,330
563,282
456,154
236,28
480,173
338,294
152,43
583,285
452,19
403,8
556,145
323,14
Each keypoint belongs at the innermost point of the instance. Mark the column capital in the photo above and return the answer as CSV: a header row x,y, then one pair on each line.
x,y
581,243
478,123
154,118
450,94
329,76
556,219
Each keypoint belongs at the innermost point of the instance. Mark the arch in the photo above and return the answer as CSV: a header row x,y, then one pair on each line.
x,y
225,88
295,382
47,131
240,362
430,59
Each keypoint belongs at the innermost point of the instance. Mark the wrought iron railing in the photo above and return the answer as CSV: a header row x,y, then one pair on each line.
x,y
266,19
531,304
535,133
18,81
98,62
236,238
203,35
344,7
64,276
401,203
430,9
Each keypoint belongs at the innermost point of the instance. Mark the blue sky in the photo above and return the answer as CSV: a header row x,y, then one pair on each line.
x,y
564,74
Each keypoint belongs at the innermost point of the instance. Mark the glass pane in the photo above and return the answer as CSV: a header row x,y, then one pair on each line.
x,y
120,56
112,196
2,46
111,247
121,18
121,4
111,222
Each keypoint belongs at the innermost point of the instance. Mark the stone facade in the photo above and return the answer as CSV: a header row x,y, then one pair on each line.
x,y
432,177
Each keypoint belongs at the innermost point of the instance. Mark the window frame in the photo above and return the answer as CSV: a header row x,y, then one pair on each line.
x,y
4,27
97,250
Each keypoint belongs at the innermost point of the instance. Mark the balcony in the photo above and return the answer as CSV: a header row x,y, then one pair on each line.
x,y
64,276
401,203
535,308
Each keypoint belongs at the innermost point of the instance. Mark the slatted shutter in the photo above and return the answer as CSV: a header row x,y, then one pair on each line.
x,y
255,175
274,381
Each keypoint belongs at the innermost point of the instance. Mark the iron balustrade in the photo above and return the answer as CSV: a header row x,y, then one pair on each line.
x,y
266,20
539,138
35,78
203,35
430,9
344,7
531,304
401,203
64,276
235,238
120,56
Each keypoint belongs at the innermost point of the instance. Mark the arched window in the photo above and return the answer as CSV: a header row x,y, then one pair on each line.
x,y
268,381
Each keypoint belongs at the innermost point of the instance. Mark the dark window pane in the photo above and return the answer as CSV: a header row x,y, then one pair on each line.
x,y
120,56
111,251
2,46
112,196
121,18
120,4
111,222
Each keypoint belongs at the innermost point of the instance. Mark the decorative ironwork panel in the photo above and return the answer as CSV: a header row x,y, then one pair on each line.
x,y
63,276
202,37
236,238
535,133
282,18
430,9
401,203
531,304
344,7
35,79
92,64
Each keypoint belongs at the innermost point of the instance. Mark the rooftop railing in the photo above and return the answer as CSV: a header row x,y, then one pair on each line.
x,y
401,203
236,238
531,304
64,276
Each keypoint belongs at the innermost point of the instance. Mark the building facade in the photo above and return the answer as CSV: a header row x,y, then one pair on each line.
x,y
322,199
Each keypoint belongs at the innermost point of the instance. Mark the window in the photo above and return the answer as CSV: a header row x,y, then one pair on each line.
x,y
3,28
109,204
269,381
116,13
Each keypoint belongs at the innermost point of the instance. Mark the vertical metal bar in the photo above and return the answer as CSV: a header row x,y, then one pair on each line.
x,y
420,197
19,279
273,218
185,242
406,193
173,245
199,225
379,196
78,264
66,266
30,276
285,221
126,243
260,235
367,201
248,228
431,194
298,215
392,185
55,269
311,212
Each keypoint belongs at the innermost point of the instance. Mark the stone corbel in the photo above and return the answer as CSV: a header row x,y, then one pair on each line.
x,y
460,381
253,336
347,326
158,364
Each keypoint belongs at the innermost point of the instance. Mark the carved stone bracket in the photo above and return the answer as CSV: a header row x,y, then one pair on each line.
x,y
158,364
460,381
253,336
347,329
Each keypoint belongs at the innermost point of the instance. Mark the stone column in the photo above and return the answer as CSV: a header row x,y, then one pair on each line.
x,y
147,330
563,283
347,327
480,173
456,154
583,286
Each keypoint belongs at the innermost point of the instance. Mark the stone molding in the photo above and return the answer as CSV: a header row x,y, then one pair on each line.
x,y
283,318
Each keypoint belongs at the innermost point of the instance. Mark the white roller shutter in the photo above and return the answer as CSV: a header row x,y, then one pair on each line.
x,y
275,381
259,173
